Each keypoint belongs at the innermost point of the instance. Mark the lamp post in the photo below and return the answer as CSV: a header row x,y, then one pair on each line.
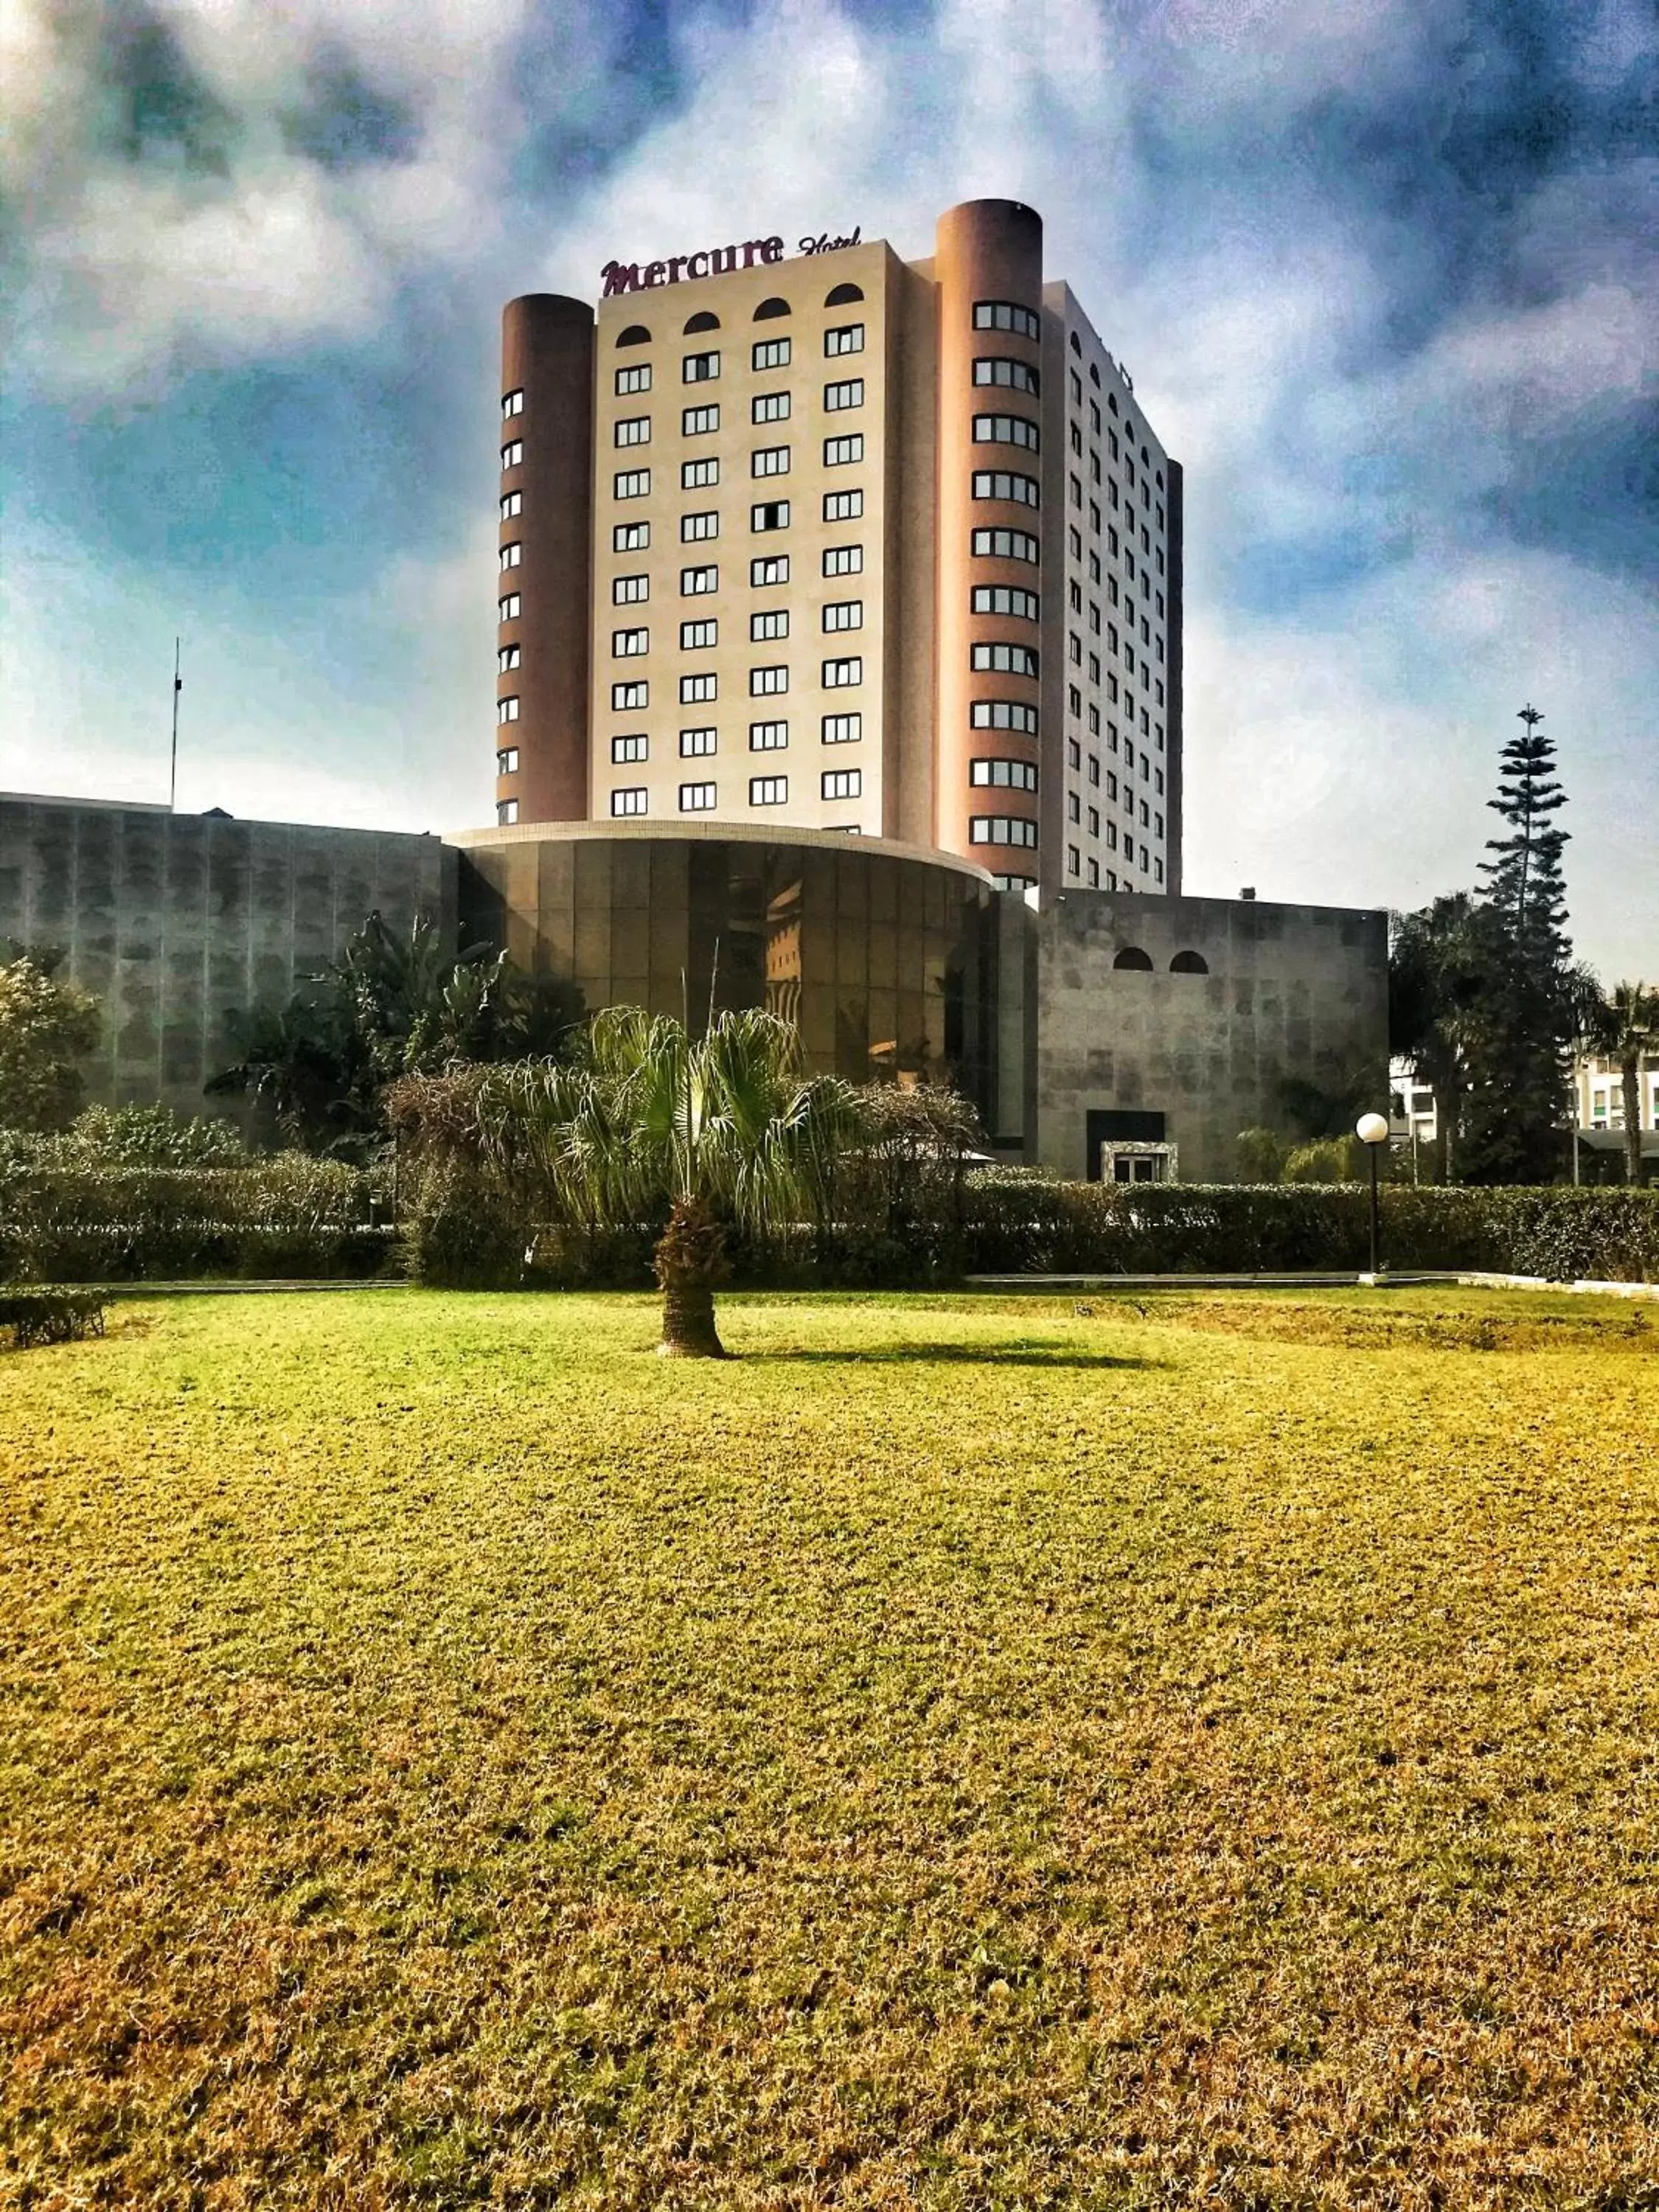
x,y
1372,1130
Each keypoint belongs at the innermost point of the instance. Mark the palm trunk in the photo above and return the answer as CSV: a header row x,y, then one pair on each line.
x,y
1630,1083
689,1260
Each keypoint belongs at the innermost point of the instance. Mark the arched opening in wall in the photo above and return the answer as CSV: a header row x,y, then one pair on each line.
x,y
635,334
1094,373
1189,964
1132,956
1111,401
768,309
704,321
843,295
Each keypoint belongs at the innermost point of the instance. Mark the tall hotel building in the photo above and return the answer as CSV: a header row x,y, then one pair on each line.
x,y
845,543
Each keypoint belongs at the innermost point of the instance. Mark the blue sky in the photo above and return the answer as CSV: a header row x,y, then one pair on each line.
x,y
1386,274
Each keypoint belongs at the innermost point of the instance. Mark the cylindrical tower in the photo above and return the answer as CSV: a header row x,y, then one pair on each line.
x,y
988,269
544,585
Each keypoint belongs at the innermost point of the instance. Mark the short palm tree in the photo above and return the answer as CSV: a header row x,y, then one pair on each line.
x,y
1622,1026
649,1121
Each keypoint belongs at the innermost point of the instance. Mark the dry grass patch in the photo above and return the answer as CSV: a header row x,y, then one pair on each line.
x,y
964,1755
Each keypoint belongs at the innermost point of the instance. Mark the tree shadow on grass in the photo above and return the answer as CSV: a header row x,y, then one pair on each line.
x,y
960,1355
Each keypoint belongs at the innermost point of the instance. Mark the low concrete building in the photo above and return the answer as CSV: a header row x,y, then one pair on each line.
x,y
1179,1022
177,921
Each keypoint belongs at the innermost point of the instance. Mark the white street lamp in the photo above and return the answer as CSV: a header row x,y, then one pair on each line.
x,y
1372,1130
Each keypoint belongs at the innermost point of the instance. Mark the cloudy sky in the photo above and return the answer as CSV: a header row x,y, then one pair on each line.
x,y
1385,272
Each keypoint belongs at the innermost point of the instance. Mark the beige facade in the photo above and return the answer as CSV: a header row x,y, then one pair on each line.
x,y
876,547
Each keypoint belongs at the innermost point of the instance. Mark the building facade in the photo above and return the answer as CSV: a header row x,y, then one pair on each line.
x,y
845,543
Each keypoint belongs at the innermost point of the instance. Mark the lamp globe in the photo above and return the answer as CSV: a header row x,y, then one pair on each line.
x,y
1371,1129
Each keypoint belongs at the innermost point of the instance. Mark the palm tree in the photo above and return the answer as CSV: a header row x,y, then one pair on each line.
x,y
647,1120
1622,1025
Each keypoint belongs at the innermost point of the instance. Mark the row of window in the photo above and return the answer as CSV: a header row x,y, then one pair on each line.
x,y
765,569
1148,821
1149,864
764,791
1001,830
764,628
1074,761
765,354
763,461
631,695
765,407
1148,727
763,737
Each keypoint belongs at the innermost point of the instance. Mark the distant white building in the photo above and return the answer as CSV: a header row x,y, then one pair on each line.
x,y
1597,1111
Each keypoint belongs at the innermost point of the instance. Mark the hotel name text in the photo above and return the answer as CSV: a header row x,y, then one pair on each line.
x,y
712,261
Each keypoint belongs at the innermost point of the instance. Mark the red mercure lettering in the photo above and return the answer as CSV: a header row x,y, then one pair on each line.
x,y
772,250
691,268
676,263
654,274
620,277
751,246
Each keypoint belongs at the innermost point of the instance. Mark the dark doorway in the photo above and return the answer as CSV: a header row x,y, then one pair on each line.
x,y
1105,1125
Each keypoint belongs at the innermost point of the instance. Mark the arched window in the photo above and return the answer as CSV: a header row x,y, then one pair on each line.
x,y
1189,964
1132,956
1094,373
1111,401
843,295
635,334
1075,348
767,308
704,321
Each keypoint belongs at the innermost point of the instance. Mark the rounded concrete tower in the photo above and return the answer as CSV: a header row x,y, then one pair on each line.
x,y
544,586
988,269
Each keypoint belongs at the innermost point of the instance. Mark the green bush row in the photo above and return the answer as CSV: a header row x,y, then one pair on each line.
x,y
287,1216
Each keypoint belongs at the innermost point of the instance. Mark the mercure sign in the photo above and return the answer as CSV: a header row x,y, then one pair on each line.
x,y
711,261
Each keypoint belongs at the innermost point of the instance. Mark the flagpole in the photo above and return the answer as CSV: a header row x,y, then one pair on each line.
x,y
178,686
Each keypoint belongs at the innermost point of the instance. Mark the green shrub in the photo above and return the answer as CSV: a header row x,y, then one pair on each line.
x,y
35,1317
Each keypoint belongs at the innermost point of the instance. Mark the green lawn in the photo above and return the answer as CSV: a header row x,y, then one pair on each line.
x,y
963,1753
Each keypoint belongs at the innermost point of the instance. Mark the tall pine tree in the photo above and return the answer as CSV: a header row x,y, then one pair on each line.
x,y
1517,1100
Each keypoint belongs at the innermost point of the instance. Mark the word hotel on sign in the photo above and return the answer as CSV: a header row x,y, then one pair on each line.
x,y
711,261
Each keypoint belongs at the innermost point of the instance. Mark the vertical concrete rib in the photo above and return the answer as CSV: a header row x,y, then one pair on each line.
x,y
547,353
992,251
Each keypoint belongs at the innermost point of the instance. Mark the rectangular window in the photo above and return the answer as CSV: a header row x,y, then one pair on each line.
x,y
1007,546
633,380
837,674
624,749
769,461
507,656
842,783
630,802
769,407
1001,830
512,555
697,476
1003,315
769,791
632,430
507,761
765,628
768,569
626,643
629,698
506,812
1003,714
510,608
697,745
1009,774
839,452
768,737
848,337
1005,660
631,484
512,504
697,690
1074,861
696,798
771,353
698,422
1094,768
843,560
844,614
697,636
630,536
842,729
762,681
1074,807
850,393
1005,599
696,526
770,514
628,591
511,404
694,581
1017,375
843,505
700,368
1000,484
1006,430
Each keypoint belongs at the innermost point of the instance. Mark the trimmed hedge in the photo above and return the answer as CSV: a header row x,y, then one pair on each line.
x,y
31,1317
1018,1225
285,1217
